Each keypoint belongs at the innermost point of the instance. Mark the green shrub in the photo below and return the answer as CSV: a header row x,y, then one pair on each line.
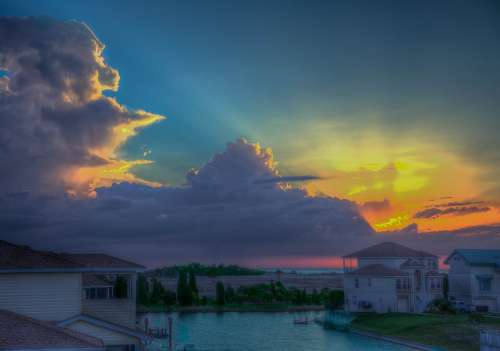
x,y
442,306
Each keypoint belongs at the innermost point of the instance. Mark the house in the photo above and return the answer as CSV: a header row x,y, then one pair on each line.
x,y
76,292
474,279
390,277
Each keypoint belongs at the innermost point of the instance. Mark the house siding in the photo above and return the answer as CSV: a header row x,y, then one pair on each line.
x,y
464,285
44,296
379,291
119,311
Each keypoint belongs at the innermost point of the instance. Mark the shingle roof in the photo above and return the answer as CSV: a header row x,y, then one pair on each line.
x,y
388,249
97,260
19,257
478,257
378,270
22,332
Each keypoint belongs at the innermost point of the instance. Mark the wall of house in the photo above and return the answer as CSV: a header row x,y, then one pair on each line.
x,y
119,311
485,298
459,278
379,291
107,336
45,296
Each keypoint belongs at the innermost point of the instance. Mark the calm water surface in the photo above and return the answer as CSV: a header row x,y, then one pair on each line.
x,y
259,332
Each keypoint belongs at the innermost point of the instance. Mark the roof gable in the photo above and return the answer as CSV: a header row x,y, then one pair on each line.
x,y
389,250
477,257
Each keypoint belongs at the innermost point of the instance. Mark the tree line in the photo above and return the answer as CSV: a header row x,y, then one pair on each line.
x,y
205,270
152,292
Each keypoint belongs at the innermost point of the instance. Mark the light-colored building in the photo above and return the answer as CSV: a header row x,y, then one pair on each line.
x,y
390,277
474,279
76,292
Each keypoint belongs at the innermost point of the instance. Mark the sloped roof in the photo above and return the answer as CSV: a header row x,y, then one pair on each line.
x,y
98,260
106,325
378,270
478,257
22,332
388,249
19,257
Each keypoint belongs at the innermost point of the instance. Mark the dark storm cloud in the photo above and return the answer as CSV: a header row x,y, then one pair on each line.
x,y
219,215
286,179
434,212
376,205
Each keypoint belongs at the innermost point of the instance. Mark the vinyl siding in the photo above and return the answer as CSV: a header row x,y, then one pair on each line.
x,y
119,311
381,293
45,296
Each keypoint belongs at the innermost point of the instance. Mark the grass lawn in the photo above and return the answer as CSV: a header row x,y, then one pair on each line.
x,y
453,332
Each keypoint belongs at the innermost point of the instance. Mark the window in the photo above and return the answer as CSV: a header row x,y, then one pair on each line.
x,y
369,281
484,283
398,283
356,283
99,293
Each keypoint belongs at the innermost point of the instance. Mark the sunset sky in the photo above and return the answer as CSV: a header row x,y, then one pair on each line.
x,y
384,111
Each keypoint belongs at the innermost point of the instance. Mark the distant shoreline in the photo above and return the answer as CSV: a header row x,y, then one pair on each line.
x,y
240,308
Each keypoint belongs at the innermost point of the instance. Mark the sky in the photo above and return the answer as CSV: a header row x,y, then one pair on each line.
x,y
256,132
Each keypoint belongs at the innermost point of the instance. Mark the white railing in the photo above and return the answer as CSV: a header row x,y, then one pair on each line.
x,y
490,339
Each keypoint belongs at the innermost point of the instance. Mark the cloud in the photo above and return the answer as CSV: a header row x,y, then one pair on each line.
x,y
434,212
287,179
218,215
376,205
460,203
57,128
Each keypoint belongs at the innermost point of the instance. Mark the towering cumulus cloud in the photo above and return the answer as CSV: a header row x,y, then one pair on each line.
x,y
222,213
57,129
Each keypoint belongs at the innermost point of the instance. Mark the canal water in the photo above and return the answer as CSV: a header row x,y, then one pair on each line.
x,y
252,331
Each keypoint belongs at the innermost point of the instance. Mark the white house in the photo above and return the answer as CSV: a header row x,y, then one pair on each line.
x,y
474,279
390,277
75,292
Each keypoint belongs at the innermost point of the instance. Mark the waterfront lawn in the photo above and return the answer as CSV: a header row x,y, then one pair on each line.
x,y
453,332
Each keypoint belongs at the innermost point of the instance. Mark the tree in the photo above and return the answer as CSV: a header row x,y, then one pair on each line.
x,y
230,295
157,292
184,295
446,286
121,287
220,297
315,297
169,298
335,299
192,285
142,290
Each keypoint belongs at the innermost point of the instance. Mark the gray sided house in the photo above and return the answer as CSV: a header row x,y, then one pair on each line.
x,y
474,278
74,293
390,277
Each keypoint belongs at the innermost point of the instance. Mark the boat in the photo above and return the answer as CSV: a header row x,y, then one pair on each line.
x,y
301,321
